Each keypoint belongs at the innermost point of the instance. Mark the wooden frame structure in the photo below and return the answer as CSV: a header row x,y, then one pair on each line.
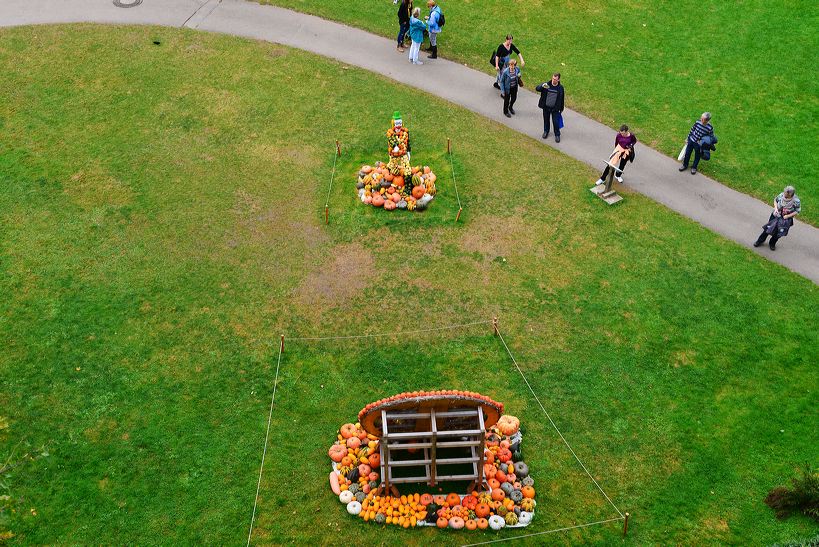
x,y
431,439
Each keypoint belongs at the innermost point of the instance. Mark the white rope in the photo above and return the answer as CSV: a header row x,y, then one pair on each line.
x,y
555,426
332,176
264,451
542,533
399,333
452,170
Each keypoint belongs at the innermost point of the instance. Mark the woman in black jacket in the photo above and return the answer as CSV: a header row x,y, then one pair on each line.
x,y
404,11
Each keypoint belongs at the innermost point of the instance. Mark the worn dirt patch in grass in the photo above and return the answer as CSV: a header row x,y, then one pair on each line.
x,y
338,280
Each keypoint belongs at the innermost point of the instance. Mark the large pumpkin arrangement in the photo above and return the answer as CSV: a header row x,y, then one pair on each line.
x,y
510,501
396,185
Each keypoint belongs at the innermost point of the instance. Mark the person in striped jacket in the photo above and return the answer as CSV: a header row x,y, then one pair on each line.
x,y
700,129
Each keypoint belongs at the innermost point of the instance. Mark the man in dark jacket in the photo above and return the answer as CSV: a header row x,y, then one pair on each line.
x,y
551,101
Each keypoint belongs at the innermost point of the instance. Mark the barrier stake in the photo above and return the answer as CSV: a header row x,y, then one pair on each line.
x,y
458,216
625,525
281,347
326,215
495,325
448,146
338,149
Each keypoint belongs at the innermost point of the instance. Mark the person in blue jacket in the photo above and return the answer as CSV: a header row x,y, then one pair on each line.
x,y
433,22
416,32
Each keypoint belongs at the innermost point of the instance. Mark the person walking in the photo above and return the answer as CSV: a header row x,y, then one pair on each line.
x,y
416,31
434,27
786,206
502,56
510,78
624,143
404,14
702,128
551,101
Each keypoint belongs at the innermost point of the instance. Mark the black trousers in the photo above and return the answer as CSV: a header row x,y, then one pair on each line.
x,y
510,98
622,166
554,115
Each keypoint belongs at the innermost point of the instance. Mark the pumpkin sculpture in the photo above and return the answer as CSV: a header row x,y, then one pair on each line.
x,y
393,178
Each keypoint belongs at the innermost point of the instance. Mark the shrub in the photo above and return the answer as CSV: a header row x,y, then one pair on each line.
x,y
803,495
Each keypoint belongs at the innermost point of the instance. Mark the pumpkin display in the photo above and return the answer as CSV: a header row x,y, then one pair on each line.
x,y
394,177
355,478
508,425
378,200
389,205
496,522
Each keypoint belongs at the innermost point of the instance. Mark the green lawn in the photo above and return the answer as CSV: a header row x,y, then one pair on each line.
x,y
161,222
657,66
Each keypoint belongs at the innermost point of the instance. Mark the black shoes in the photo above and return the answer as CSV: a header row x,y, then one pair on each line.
x,y
772,246
434,52
683,168
557,138
757,244
511,111
496,86
507,114
693,170
545,134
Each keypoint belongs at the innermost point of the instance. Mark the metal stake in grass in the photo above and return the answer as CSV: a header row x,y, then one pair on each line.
x,y
448,146
495,325
338,149
625,524
281,346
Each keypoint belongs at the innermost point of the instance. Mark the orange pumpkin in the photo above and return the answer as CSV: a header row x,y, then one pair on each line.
x,y
470,502
528,492
508,425
353,442
346,461
500,476
398,181
337,452
498,494
396,197
490,457
390,190
442,522
426,169
349,430
471,524
482,510
494,483
419,191
453,499
378,200
426,499
483,524
489,470
504,454
374,459
505,443
439,500
389,177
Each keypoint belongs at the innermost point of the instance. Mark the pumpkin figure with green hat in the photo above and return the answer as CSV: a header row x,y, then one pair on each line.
x,y
396,184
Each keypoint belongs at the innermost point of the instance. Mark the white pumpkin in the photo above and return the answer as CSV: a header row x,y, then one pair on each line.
x,y
525,518
346,497
353,507
496,522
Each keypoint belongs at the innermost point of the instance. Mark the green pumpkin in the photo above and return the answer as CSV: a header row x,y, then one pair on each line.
x,y
511,519
360,497
354,489
380,518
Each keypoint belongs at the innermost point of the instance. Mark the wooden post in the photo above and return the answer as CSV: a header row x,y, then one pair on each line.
x,y
458,216
281,347
338,149
326,215
448,146
495,325
625,525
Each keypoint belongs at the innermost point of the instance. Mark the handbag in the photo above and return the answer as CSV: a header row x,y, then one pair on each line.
x,y
682,152
560,120
493,59
520,81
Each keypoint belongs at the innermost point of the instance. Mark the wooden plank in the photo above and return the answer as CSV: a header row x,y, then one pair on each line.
x,y
457,433
407,446
456,477
466,459
409,434
410,463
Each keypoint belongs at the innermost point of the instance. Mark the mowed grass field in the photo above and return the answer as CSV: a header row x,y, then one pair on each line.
x,y
656,66
162,223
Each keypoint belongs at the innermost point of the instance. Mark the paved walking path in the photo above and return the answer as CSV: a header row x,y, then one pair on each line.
x,y
732,214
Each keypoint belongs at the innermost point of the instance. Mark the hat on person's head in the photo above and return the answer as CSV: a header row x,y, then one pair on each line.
x,y
396,118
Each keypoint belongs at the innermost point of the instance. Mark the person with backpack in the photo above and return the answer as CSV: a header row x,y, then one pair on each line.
x,y
416,32
500,58
551,101
435,21
510,78
404,14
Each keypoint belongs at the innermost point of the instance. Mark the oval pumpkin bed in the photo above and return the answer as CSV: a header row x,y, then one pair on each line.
x,y
357,467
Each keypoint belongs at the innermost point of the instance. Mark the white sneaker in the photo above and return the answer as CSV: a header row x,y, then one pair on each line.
x,y
619,179
599,182
418,62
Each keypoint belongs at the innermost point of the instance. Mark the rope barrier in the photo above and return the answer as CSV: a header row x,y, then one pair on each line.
x,y
543,533
399,333
455,184
330,187
555,426
266,436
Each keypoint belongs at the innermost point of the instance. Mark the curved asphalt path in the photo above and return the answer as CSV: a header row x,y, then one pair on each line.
x,y
732,214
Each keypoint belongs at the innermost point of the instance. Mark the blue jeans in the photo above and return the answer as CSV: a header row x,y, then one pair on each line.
x,y
689,146
402,31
